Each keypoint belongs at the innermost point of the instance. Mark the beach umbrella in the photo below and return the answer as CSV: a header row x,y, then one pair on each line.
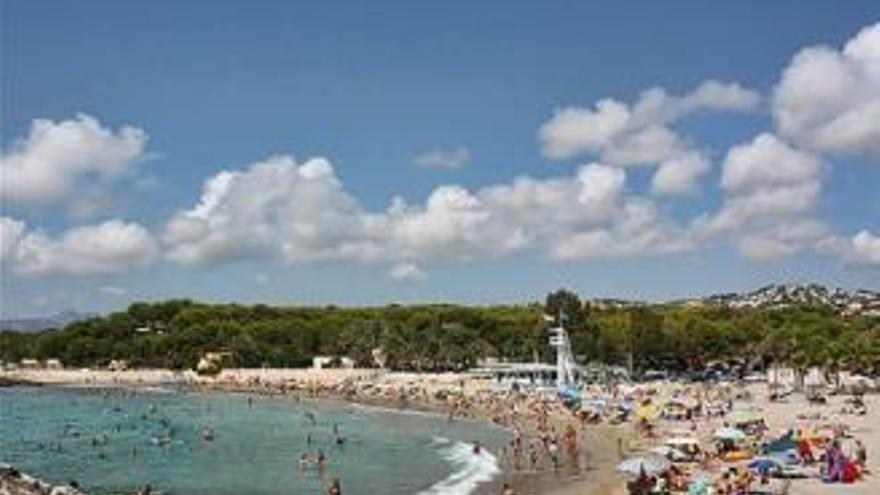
x,y
648,465
782,444
648,412
764,464
728,433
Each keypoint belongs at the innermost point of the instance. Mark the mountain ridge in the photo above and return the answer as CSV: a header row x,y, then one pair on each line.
x,y
40,323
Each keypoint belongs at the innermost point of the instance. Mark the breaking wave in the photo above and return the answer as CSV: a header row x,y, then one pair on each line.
x,y
469,469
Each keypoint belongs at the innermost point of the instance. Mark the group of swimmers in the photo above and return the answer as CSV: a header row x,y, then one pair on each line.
x,y
305,460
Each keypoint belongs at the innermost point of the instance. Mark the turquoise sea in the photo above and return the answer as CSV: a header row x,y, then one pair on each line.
x,y
118,440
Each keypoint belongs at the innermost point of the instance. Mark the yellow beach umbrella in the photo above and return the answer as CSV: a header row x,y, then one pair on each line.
x,y
648,412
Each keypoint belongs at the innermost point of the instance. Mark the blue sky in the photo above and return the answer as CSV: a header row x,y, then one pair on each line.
x,y
323,112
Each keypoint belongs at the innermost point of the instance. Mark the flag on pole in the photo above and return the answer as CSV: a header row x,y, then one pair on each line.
x,y
549,319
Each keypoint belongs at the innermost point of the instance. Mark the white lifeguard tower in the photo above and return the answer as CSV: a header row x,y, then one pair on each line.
x,y
565,376
567,371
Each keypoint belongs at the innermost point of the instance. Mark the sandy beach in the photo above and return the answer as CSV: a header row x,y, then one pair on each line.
x,y
784,415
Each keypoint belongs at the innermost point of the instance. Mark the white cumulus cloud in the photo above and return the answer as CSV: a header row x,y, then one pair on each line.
x,y
680,174
301,213
636,229
641,133
612,127
113,246
782,239
11,233
865,249
829,99
765,163
47,166
766,181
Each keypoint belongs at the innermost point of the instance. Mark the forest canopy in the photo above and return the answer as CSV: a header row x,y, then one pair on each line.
x,y
433,337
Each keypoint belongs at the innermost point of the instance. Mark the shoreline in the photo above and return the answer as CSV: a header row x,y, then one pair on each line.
x,y
596,477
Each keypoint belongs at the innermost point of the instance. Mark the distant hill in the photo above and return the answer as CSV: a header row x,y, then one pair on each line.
x,y
778,296
38,323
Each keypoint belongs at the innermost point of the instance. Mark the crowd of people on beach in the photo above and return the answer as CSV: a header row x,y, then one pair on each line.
x,y
739,452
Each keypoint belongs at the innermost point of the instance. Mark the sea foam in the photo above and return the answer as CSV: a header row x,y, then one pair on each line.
x,y
470,469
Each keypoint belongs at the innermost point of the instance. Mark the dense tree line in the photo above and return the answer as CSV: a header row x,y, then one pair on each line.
x,y
176,333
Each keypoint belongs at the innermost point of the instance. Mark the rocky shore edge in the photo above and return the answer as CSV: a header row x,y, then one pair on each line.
x,y
15,482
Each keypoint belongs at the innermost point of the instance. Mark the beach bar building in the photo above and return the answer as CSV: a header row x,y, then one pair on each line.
x,y
541,375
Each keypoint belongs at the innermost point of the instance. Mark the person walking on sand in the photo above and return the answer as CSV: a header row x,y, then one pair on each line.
x,y
861,454
553,450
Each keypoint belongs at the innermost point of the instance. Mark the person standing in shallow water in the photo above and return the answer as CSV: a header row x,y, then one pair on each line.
x,y
335,487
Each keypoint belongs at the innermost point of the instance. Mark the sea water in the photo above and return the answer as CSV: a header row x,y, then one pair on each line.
x,y
112,441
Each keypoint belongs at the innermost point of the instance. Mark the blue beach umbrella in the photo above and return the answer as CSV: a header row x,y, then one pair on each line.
x,y
569,395
764,465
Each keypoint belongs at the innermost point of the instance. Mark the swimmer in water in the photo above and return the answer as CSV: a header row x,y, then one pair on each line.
x,y
477,448
303,462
